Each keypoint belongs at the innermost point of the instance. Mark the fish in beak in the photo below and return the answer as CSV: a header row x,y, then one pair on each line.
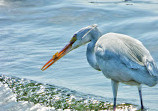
x,y
60,54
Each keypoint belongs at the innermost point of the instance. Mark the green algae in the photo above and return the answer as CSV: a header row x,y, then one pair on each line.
x,y
57,97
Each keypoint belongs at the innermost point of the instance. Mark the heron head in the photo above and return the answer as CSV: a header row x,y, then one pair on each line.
x,y
81,37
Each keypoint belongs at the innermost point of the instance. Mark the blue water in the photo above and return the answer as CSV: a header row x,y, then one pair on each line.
x,y
32,31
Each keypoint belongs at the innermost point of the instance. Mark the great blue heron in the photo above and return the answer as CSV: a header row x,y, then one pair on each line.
x,y
121,58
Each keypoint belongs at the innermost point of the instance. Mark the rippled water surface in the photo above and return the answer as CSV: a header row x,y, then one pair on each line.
x,y
31,31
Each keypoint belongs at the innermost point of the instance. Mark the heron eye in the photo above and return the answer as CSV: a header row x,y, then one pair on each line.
x,y
74,38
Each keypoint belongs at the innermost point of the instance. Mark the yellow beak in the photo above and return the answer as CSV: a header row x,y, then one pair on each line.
x,y
59,55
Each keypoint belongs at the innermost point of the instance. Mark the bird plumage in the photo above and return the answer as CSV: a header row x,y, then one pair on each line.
x,y
121,58
124,59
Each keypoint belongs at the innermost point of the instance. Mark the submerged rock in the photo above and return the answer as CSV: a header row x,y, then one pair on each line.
x,y
51,97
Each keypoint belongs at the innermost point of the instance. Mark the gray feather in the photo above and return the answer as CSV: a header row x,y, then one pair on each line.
x,y
130,51
151,67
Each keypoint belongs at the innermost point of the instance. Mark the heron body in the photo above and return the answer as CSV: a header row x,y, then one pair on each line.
x,y
120,58
124,59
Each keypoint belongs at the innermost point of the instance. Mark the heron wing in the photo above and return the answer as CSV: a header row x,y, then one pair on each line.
x,y
136,55
129,51
151,67
148,64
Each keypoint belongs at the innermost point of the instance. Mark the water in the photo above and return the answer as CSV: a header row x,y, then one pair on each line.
x,y
32,94
32,31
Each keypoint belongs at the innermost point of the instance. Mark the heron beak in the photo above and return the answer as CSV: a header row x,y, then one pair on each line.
x,y
59,55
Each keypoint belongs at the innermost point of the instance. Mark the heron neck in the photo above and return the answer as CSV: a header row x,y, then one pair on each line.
x,y
91,55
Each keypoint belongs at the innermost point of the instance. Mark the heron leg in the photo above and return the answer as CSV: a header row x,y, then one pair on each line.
x,y
114,89
140,95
